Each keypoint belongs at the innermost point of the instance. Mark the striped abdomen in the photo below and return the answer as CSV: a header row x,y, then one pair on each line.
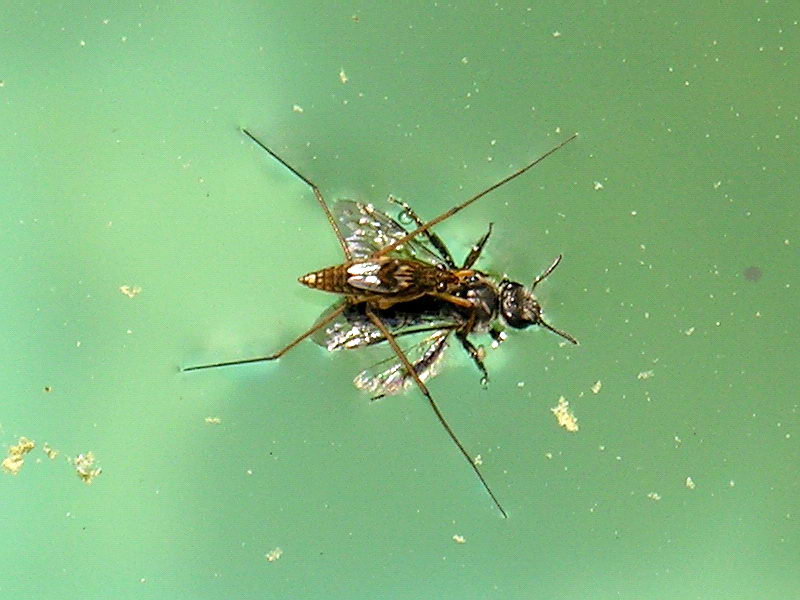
x,y
330,279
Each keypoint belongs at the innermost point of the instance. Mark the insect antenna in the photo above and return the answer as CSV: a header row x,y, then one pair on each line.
x,y
563,334
459,207
313,187
546,272
542,322
423,388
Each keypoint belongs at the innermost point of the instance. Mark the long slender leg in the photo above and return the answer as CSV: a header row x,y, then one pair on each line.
x,y
475,354
410,369
433,237
319,324
459,207
476,250
314,188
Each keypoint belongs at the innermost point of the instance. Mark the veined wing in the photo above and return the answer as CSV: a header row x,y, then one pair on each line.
x,y
353,329
390,377
367,229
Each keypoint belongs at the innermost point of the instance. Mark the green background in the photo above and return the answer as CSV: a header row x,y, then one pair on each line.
x,y
122,163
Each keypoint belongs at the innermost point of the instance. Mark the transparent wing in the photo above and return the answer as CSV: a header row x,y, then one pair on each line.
x,y
353,329
366,230
390,377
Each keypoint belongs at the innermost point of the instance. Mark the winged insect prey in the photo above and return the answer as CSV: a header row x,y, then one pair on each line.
x,y
393,268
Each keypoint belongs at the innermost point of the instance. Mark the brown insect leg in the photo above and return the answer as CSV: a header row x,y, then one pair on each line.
x,y
474,354
433,238
314,188
459,207
462,302
410,369
476,250
319,324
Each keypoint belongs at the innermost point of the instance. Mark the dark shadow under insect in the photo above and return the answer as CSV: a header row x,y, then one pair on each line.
x,y
396,282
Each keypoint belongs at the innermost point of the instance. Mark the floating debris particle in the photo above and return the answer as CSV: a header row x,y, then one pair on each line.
x,y
297,108
597,186
689,331
49,451
48,389
459,539
273,555
597,386
690,483
131,291
556,34
654,496
478,460
464,60
84,467
16,455
645,374
342,76
213,420
548,455
564,415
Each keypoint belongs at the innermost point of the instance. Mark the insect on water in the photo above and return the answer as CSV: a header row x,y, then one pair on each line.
x,y
396,282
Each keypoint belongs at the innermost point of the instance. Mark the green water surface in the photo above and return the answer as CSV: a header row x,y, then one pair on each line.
x,y
122,164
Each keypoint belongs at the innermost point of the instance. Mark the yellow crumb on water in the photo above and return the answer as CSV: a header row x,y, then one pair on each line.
x,y
459,539
654,496
213,420
645,374
16,455
131,291
49,451
342,76
478,460
297,108
597,386
273,555
84,467
690,483
564,415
